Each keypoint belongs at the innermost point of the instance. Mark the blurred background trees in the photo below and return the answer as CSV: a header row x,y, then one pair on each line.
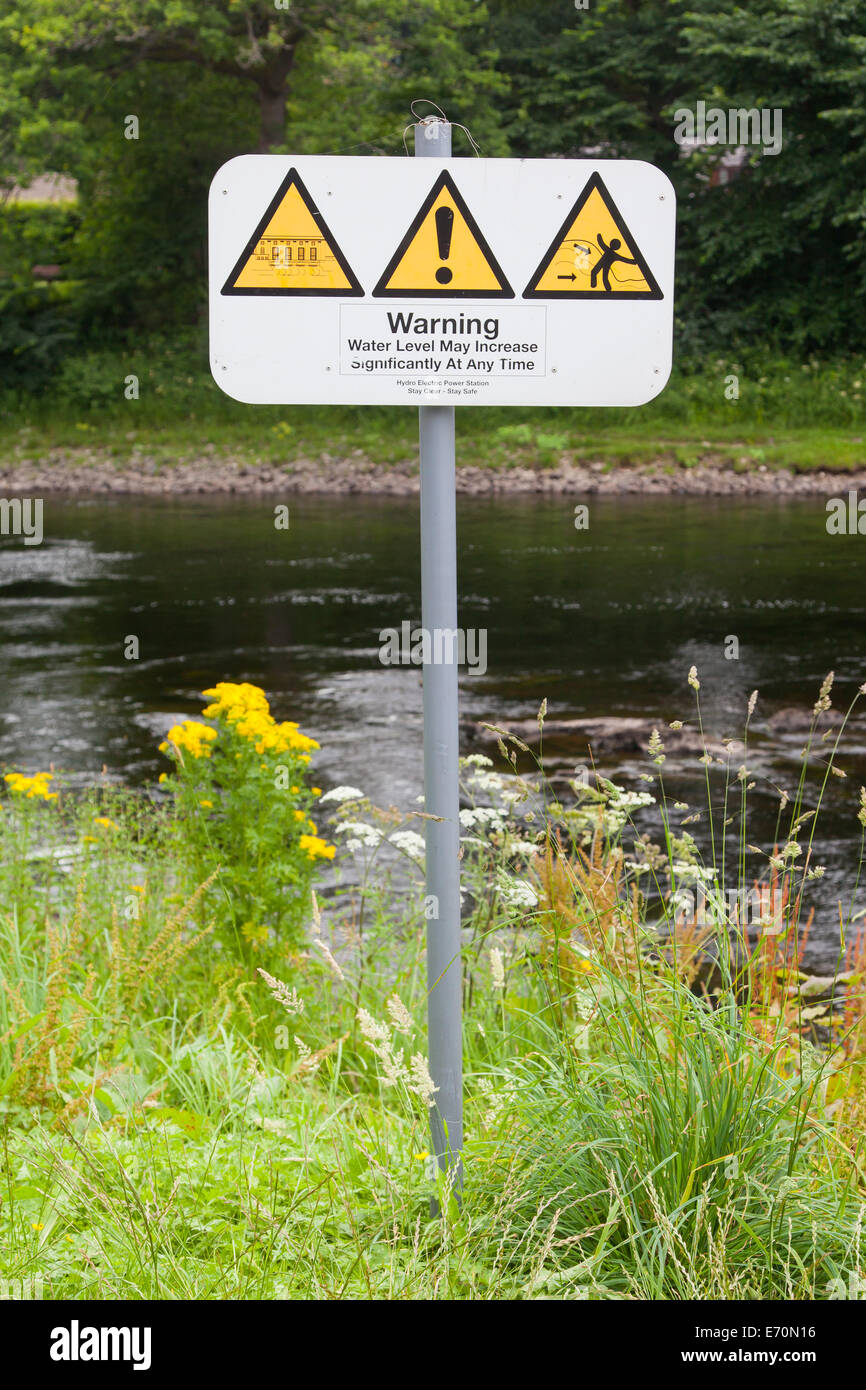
x,y
772,248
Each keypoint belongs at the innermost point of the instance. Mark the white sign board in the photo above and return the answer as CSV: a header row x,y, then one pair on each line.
x,y
456,282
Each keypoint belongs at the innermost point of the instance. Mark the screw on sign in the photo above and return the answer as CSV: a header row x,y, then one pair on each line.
x,y
305,310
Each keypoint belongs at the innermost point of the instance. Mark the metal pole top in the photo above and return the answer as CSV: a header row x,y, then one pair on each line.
x,y
433,137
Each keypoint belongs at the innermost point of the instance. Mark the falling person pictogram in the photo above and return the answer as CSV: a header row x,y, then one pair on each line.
x,y
611,254
594,255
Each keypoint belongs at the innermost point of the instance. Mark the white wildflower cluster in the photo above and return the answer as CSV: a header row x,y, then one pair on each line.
x,y
517,848
416,1078
409,842
614,821
480,779
630,801
472,817
361,834
605,808
620,806
341,794
510,795
691,873
515,892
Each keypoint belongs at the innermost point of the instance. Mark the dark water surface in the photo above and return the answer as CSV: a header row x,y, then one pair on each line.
x,y
601,622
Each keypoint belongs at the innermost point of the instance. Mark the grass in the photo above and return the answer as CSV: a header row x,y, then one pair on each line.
x,y
176,1124
799,415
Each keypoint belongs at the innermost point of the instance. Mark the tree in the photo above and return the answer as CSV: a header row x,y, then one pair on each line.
x,y
778,252
205,80
376,47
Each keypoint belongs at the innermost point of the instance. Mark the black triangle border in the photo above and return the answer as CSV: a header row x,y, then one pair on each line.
x,y
443,181
594,183
294,178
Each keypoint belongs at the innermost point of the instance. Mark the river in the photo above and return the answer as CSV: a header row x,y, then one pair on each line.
x,y
605,621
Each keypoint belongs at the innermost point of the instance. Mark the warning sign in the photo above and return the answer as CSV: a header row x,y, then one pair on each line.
x,y
292,250
444,254
443,251
593,255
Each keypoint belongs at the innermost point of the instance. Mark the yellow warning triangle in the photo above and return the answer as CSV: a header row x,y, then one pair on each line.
x,y
593,255
444,254
292,250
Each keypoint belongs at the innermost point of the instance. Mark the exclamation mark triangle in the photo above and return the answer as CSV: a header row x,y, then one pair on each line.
x,y
444,254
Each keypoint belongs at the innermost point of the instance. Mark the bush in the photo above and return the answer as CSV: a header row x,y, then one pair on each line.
x,y
40,320
243,808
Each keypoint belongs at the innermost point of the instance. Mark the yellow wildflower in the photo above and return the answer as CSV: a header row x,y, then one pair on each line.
x,y
316,848
255,935
233,702
31,787
246,707
190,737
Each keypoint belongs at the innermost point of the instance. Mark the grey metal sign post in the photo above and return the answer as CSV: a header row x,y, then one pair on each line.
x,y
441,749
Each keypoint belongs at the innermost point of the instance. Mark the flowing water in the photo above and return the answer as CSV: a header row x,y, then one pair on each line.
x,y
603,622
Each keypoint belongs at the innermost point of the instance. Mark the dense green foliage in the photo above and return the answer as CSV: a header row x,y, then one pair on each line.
x,y
792,414
778,253
774,256
186,1115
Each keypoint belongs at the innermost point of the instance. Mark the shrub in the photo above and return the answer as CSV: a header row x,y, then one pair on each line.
x,y
243,807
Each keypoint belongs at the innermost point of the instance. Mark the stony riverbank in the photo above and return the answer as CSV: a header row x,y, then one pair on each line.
x,y
89,470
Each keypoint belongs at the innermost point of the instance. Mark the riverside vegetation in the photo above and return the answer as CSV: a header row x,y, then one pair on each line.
x,y
213,1080
798,413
